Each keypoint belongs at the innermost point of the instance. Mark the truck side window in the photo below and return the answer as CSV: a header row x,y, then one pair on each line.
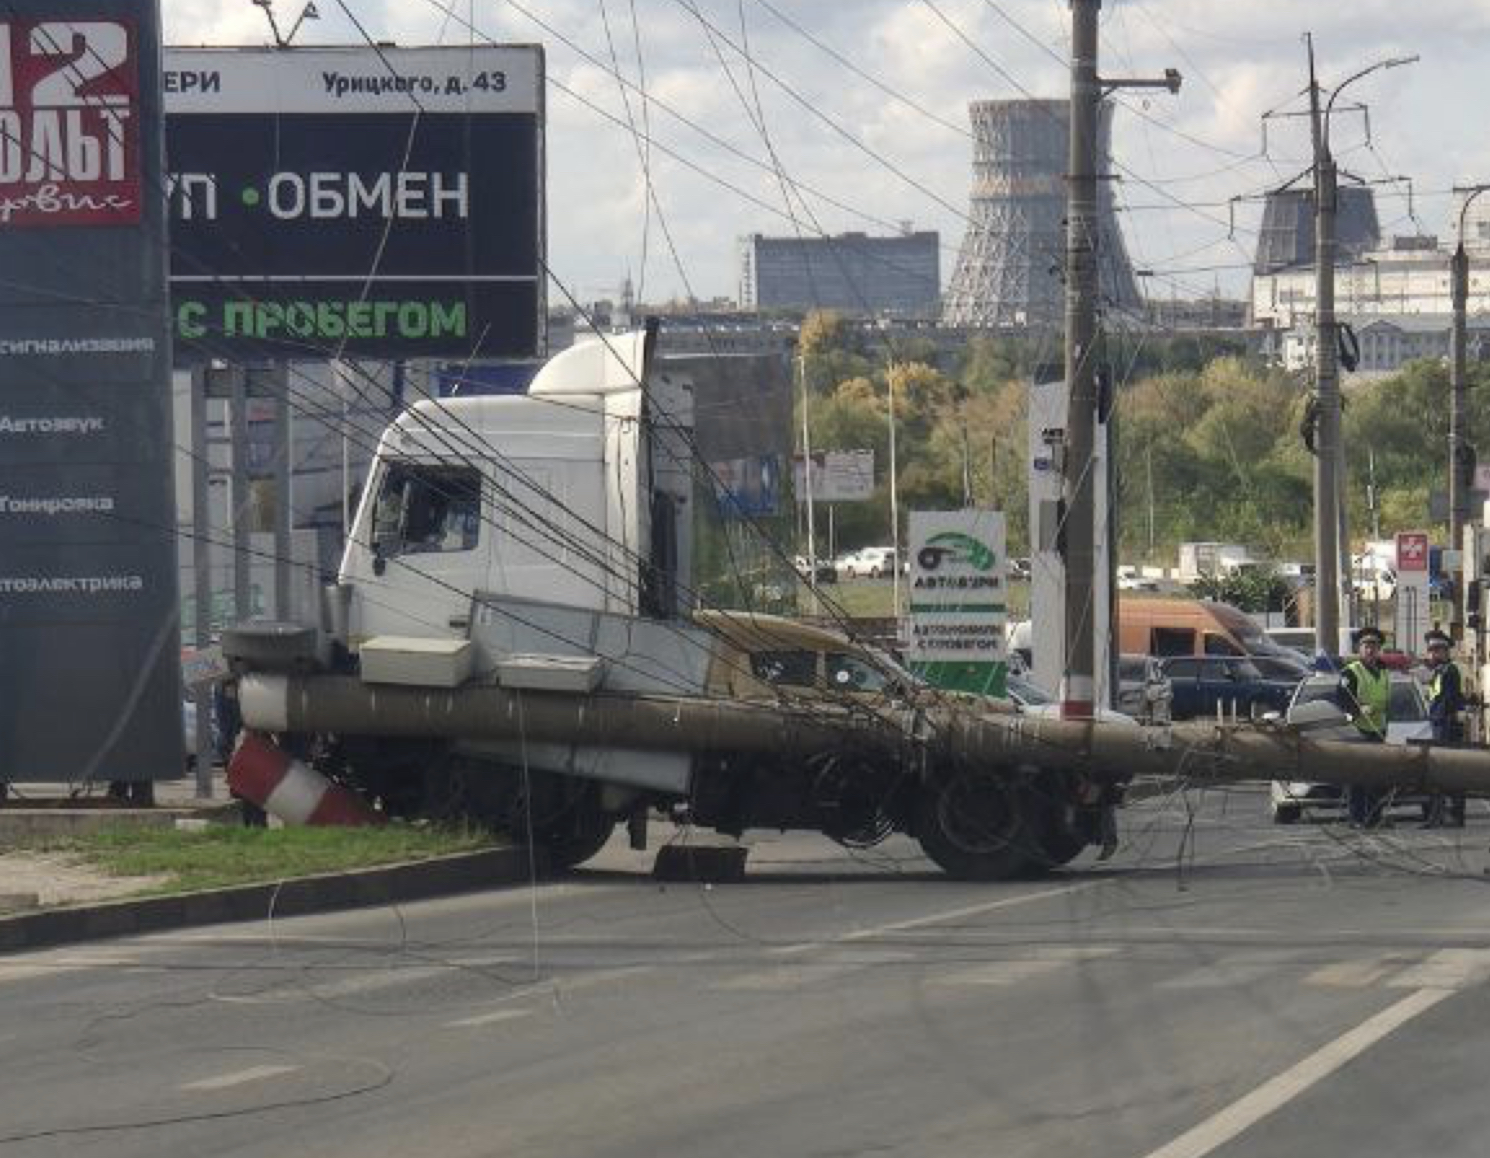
x,y
1220,645
791,668
1174,641
427,509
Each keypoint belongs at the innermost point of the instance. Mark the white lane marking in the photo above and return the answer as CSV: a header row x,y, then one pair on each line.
x,y
783,977
1446,969
239,1078
1035,963
297,988
1224,973
1361,972
491,1018
1278,1091
938,918
50,965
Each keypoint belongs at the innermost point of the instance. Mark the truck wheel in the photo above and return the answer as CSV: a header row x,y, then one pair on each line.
x,y
585,832
972,824
1056,838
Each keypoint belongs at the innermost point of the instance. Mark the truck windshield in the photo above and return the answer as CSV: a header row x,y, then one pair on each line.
x,y
427,509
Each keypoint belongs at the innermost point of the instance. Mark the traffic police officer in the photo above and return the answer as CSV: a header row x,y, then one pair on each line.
x,y
1367,695
1445,703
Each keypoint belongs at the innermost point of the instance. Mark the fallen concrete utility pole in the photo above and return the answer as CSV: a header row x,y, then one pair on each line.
x,y
1207,751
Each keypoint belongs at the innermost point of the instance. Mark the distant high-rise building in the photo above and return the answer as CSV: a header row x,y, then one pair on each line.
x,y
1009,270
852,272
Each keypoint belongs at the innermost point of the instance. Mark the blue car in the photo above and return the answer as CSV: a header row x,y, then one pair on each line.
x,y
1234,685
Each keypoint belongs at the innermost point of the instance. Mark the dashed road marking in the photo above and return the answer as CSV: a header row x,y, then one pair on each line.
x,y
239,1078
490,1018
1446,969
783,977
936,918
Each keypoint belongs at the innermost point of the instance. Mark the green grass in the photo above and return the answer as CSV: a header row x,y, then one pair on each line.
x,y
224,854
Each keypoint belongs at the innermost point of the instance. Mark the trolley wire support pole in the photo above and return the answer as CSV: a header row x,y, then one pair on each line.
x,y
201,560
283,484
808,483
1331,531
242,499
1078,682
1461,453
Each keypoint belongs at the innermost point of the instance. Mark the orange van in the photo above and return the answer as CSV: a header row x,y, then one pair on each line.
x,y
1166,627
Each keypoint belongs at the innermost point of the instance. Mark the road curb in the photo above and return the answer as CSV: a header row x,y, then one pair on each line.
x,y
410,881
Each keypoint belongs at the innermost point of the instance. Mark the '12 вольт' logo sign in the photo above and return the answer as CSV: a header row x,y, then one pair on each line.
x,y
69,123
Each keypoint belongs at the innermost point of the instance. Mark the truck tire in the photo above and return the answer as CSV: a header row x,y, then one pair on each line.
x,y
582,835
1056,836
972,824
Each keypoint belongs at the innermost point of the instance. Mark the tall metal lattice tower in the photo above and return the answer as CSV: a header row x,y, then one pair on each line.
x,y
1009,268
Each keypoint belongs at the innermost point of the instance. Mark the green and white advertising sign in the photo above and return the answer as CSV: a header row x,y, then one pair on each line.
x,y
958,599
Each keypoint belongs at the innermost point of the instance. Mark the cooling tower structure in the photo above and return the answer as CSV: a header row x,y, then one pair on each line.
x,y
1286,238
1009,270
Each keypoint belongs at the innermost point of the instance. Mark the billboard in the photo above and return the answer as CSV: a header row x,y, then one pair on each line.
x,y
959,602
356,202
838,476
89,644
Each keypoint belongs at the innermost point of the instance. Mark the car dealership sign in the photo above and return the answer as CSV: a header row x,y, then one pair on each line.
x,y
69,121
336,202
89,641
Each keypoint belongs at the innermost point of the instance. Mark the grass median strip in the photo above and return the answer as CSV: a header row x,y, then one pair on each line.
x,y
222,855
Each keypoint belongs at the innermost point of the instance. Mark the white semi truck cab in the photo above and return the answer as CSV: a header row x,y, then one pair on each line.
x,y
577,493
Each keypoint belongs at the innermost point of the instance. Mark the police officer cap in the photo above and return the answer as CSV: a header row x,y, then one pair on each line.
x,y
1371,633
1437,639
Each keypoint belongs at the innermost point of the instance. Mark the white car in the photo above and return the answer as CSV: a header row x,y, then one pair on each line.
x,y
1033,700
868,563
1407,723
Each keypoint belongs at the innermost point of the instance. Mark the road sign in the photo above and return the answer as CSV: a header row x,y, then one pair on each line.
x,y
376,203
1412,551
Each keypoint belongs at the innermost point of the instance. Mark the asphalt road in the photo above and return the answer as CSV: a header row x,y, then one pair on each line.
x,y
1223,987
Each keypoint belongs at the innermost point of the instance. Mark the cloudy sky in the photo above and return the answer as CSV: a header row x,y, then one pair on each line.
x,y
773,115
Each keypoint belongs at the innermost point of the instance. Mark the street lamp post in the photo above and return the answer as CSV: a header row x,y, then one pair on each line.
x,y
1461,453
1331,541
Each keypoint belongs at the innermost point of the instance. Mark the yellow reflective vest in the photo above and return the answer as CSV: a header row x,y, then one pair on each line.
x,y
1373,694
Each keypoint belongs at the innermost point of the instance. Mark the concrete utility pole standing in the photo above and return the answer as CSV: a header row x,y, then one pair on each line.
x,y
1328,535
1078,683
1331,538
1461,453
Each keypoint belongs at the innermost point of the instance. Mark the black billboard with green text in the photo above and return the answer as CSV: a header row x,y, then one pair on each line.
x,y
356,203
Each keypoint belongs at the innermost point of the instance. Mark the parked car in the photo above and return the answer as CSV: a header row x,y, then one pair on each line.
x,y
827,571
1407,723
1233,685
1034,700
1288,666
867,563
1144,691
